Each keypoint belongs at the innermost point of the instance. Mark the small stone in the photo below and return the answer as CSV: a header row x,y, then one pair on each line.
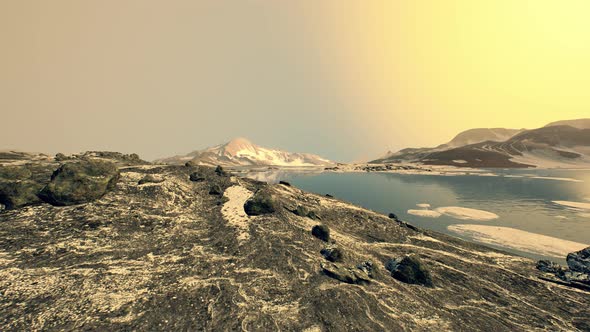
x,y
285,183
333,254
150,179
322,232
197,177
216,190
220,171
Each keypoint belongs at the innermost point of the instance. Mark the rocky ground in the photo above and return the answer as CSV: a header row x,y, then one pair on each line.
x,y
150,247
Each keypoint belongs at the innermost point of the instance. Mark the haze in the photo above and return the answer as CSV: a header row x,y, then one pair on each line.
x,y
344,79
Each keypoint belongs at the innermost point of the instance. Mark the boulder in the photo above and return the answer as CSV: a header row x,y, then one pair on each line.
x,y
410,270
18,193
333,254
150,179
263,202
197,177
579,261
80,182
322,232
345,274
366,267
285,183
19,185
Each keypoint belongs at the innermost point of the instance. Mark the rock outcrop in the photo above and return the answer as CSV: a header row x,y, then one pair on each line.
x,y
80,182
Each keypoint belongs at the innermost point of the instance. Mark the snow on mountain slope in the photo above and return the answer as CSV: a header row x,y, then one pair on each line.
x,y
478,135
579,123
242,152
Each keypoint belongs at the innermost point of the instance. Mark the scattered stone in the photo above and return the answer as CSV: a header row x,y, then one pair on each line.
x,y
80,182
263,202
302,211
191,163
549,266
333,254
150,179
285,183
410,270
322,232
197,177
579,261
220,171
366,267
313,215
329,196
61,157
393,216
216,190
345,274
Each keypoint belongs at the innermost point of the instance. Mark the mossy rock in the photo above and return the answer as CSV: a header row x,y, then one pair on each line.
x,y
80,182
263,202
410,270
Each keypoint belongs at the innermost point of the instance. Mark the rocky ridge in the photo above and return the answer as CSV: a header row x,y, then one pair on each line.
x,y
159,251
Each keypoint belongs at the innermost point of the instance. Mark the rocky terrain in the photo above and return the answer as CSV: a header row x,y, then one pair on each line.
x,y
104,241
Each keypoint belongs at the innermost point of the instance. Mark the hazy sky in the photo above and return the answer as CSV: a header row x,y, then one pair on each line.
x,y
344,79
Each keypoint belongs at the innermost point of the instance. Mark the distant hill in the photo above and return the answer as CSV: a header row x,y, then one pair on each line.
x,y
579,123
242,152
553,146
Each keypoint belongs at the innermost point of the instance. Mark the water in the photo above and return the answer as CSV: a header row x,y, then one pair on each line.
x,y
522,203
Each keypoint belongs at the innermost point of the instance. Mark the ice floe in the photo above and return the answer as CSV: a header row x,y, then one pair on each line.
x,y
456,212
518,239
576,205
424,213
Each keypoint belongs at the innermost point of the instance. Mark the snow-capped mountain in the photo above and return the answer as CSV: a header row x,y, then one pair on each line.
x,y
559,144
242,152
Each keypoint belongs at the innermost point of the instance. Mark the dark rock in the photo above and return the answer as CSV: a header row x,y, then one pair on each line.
x,y
409,270
302,211
572,276
285,183
579,261
80,182
62,157
197,177
322,232
216,190
329,196
19,193
19,185
150,179
549,266
366,267
263,202
220,171
345,274
393,216
333,254
191,163
313,215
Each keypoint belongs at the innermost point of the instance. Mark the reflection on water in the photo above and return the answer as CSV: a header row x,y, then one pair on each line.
x,y
523,203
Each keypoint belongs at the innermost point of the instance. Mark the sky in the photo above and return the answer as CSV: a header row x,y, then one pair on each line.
x,y
345,79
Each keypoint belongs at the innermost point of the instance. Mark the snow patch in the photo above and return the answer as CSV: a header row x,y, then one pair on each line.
x,y
423,205
233,209
460,161
518,239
